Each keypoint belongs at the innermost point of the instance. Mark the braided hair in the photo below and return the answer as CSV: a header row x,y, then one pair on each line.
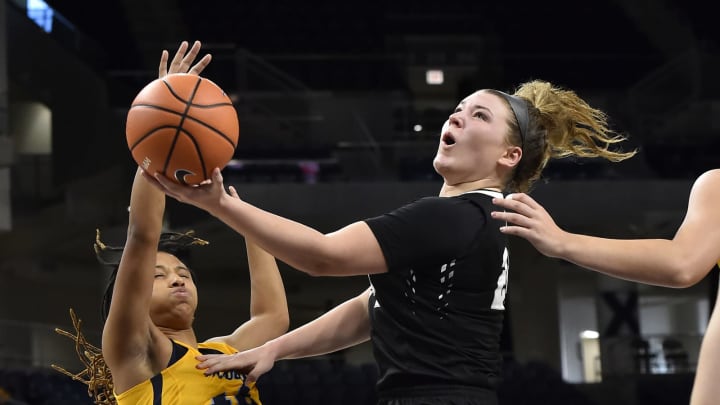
x,y
96,374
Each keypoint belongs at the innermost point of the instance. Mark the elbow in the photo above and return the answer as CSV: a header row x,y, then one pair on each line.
x,y
318,270
283,322
681,280
331,258
684,275
279,323
329,268
323,265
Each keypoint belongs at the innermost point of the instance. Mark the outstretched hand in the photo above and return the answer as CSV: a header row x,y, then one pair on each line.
x,y
529,220
208,195
254,362
182,60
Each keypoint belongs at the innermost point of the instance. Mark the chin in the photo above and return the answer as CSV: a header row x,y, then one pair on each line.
x,y
438,164
441,168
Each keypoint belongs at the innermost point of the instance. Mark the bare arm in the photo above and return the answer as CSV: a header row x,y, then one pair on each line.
x,y
128,333
679,262
269,316
346,325
352,250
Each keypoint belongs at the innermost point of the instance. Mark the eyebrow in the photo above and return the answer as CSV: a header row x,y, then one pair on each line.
x,y
160,266
476,106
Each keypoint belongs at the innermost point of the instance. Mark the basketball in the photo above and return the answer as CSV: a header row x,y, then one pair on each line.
x,y
182,126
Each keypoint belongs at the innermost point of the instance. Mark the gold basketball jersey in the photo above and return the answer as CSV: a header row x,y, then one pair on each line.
x,y
181,383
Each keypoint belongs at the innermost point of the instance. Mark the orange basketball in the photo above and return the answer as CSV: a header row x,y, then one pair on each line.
x,y
182,126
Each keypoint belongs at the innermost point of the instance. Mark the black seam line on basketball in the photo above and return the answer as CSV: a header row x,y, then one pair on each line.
x,y
182,119
170,89
154,130
197,149
191,105
183,131
190,117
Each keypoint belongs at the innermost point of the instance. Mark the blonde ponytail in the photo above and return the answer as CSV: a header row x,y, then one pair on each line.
x,y
561,124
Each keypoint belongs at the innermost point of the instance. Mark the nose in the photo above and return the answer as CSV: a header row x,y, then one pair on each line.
x,y
455,120
178,281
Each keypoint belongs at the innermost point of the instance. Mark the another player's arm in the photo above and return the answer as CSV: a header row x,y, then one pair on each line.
x,y
127,331
269,316
679,262
351,250
346,325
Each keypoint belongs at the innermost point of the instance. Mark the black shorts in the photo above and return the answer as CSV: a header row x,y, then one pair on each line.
x,y
439,395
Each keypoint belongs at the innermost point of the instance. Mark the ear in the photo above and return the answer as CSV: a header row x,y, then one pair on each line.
x,y
511,157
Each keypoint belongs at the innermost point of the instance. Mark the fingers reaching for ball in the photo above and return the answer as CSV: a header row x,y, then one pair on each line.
x,y
206,195
233,193
183,59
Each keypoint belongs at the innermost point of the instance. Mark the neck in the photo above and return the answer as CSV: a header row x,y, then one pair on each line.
x,y
186,336
451,190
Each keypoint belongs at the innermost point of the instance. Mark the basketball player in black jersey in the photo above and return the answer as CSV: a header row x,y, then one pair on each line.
x,y
678,262
438,267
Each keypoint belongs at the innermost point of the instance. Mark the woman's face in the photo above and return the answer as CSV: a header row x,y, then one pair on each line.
x,y
174,296
473,139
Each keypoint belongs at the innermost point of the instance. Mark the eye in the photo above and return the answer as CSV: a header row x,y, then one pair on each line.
x,y
159,275
480,114
457,110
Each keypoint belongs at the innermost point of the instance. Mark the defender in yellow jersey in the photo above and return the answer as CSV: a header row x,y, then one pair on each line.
x,y
148,341
678,262
182,383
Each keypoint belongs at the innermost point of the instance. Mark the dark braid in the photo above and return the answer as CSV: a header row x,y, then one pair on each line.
x,y
96,374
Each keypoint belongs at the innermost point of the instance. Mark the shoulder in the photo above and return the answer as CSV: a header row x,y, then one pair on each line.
x,y
473,197
447,207
216,346
709,178
705,197
707,185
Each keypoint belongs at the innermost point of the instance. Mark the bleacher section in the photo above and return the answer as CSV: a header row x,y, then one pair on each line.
x,y
311,381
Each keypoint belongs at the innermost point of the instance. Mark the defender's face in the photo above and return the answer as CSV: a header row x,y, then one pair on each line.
x,y
174,297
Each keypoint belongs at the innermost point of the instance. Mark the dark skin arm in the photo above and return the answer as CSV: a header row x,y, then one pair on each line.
x,y
133,348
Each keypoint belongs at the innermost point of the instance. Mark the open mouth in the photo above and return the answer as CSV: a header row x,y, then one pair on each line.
x,y
448,139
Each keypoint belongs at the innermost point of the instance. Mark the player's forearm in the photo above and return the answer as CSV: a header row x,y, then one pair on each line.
x,y
295,244
147,205
267,292
650,261
346,325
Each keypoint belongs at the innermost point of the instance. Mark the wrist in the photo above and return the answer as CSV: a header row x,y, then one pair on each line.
x,y
216,210
272,349
566,246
